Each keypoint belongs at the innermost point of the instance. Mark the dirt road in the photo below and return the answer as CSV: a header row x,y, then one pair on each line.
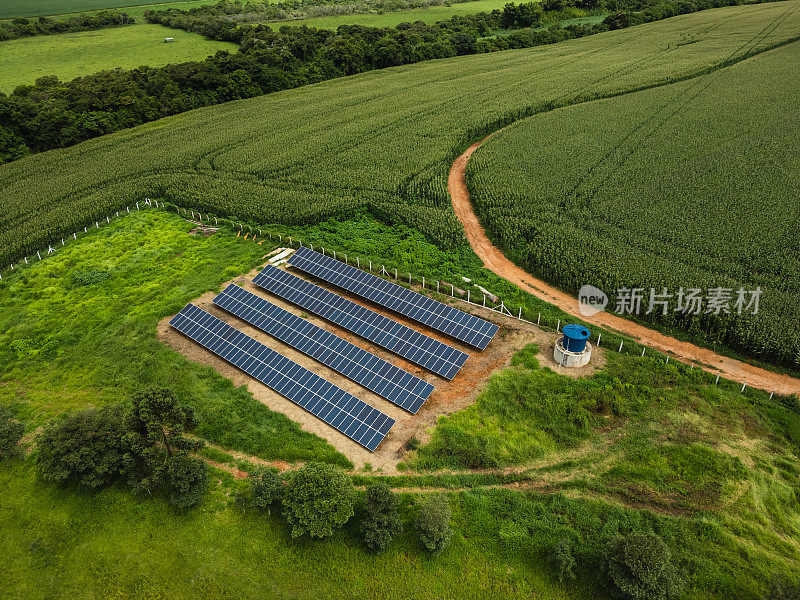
x,y
494,260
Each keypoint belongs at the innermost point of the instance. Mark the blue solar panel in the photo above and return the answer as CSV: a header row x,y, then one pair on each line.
x,y
356,419
456,323
383,331
393,383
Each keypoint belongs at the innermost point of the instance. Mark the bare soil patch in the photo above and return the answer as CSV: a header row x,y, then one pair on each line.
x,y
448,397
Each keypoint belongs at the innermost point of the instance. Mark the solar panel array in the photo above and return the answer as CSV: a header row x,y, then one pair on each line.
x,y
408,343
456,323
393,383
356,419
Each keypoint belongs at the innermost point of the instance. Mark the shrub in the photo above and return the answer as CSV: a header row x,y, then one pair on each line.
x,y
11,432
266,486
640,567
563,560
381,521
187,480
318,500
432,524
85,448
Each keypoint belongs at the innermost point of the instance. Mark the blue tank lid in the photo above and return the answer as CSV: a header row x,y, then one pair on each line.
x,y
575,337
576,332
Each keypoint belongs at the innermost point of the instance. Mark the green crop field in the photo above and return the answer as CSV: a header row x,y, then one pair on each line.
x,y
695,183
391,19
34,8
70,55
383,140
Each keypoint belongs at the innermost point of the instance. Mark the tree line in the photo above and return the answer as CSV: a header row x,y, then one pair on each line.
x,y
53,114
21,27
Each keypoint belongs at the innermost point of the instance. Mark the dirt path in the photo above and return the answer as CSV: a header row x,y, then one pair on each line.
x,y
494,260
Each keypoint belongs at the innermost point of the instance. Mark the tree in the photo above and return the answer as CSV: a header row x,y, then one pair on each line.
x,y
156,424
158,418
267,488
381,521
85,448
640,567
187,480
318,500
432,524
11,432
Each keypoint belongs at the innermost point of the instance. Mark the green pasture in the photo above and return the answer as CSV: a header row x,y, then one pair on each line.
x,y
70,55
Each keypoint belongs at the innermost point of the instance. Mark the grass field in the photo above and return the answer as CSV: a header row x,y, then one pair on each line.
x,y
145,268
383,140
34,8
79,330
71,55
391,19
696,183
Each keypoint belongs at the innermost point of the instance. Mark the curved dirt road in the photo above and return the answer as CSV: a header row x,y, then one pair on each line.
x,y
494,260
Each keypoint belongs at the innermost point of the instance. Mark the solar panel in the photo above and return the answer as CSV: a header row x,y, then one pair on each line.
x,y
436,315
383,331
343,411
393,383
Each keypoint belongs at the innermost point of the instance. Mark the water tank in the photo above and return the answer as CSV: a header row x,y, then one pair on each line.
x,y
575,337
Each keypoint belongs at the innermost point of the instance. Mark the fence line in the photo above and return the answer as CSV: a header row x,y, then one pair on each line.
x,y
500,308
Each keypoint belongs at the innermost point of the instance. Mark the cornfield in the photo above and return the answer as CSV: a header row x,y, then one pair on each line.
x,y
690,185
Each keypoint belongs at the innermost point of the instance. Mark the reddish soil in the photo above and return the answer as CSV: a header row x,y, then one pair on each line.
x,y
494,260
448,397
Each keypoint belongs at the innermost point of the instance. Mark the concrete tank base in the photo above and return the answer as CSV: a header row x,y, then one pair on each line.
x,y
565,358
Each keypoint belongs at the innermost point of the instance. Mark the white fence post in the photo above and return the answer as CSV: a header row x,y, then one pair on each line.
x,y
620,346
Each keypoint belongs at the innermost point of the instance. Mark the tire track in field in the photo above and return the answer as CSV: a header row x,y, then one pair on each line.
x,y
494,260
680,102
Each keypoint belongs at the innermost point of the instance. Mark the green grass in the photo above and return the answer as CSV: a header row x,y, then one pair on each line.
x,y
71,55
63,544
391,19
78,329
382,140
651,435
35,8
684,190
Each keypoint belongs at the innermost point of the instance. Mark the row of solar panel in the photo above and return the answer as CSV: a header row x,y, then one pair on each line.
x,y
455,323
412,345
361,422
353,417
382,377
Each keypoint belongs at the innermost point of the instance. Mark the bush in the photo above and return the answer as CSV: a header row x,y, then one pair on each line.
x,y
381,521
318,500
432,524
187,480
563,560
640,567
266,486
85,448
11,432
